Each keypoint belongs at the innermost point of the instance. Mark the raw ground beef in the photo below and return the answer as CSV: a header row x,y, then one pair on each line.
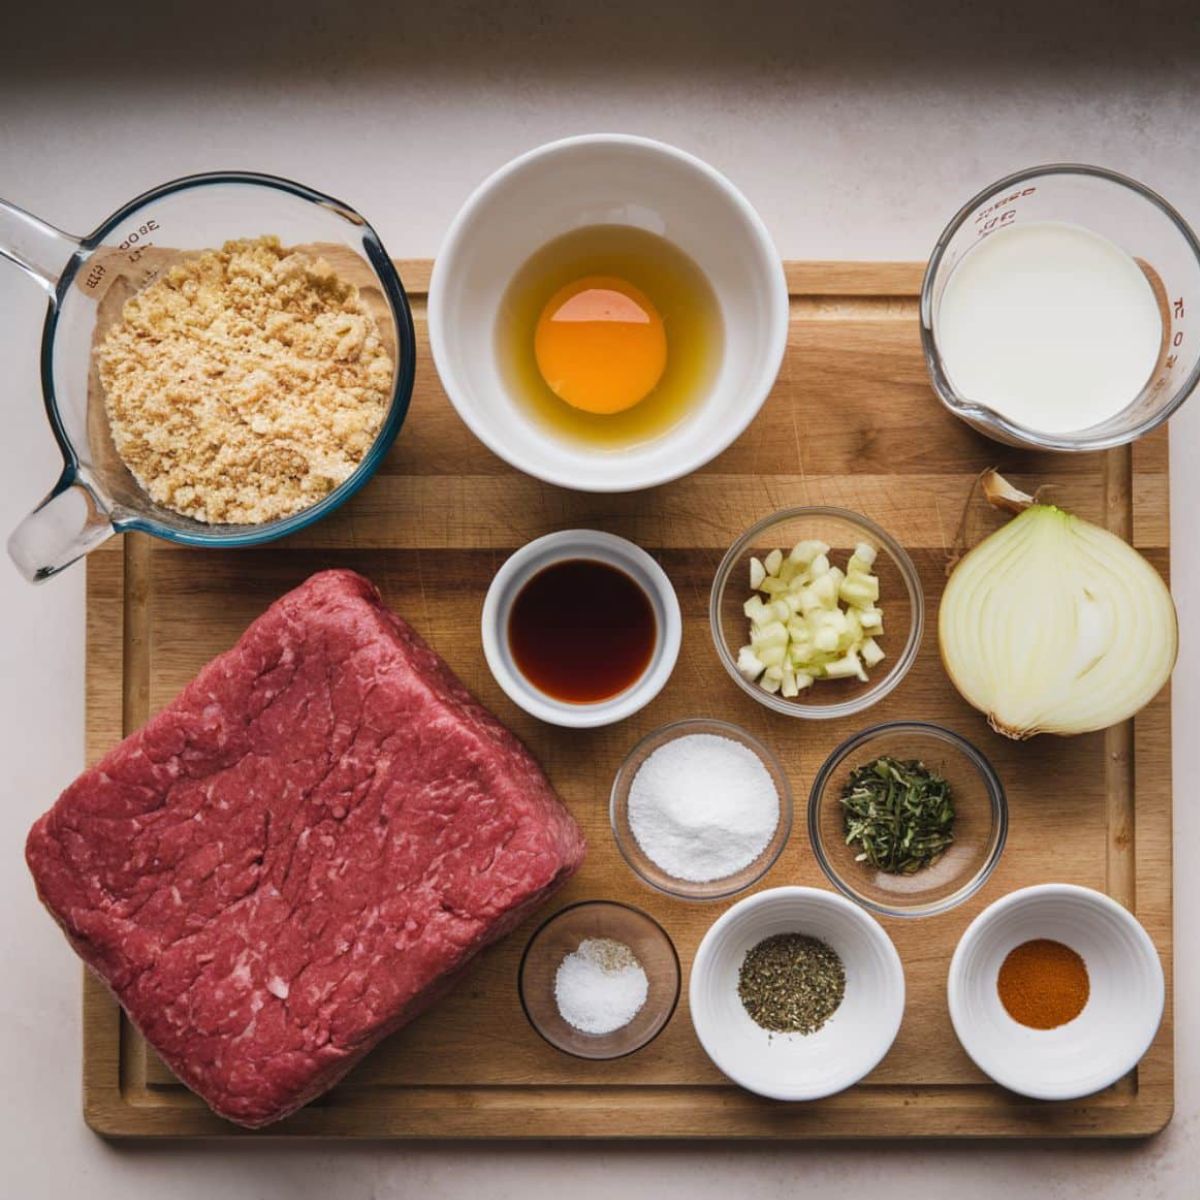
x,y
292,859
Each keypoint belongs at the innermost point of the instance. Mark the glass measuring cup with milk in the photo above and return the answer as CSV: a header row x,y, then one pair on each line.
x,y
1059,310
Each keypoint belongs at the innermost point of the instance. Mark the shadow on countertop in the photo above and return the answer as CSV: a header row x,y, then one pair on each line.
x,y
86,41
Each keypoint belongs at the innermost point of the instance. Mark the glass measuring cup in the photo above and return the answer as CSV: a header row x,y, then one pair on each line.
x,y
1130,216
88,280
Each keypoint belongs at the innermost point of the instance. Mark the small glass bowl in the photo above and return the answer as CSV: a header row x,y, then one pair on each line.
x,y
900,597
560,936
980,821
645,867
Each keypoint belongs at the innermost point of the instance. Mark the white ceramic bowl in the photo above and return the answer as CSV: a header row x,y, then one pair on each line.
x,y
1117,1025
795,1066
603,547
606,179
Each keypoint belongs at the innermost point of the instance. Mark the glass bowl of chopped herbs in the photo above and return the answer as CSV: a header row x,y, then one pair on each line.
x,y
907,818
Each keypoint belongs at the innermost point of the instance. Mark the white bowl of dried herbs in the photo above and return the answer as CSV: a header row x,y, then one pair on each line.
x,y
796,993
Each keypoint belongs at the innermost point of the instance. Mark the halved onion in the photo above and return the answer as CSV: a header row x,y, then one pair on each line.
x,y
1054,625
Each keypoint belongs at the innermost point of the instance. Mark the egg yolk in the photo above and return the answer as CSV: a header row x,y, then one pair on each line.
x,y
600,344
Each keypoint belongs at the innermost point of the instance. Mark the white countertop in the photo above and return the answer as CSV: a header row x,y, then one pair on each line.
x,y
856,131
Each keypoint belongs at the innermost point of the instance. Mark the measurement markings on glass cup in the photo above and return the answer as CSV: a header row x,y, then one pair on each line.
x,y
139,240
134,245
1000,212
1177,336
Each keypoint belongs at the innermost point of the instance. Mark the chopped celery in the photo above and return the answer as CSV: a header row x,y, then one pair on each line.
x,y
775,634
871,618
845,667
809,601
749,664
860,590
772,656
804,552
800,653
872,655
826,638
810,619
862,560
826,591
865,553
756,610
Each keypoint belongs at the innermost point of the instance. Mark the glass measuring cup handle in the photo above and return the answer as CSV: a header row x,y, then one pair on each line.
x,y
37,248
71,521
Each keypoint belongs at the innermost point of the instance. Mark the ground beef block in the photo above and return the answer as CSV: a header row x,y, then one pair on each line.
x,y
292,859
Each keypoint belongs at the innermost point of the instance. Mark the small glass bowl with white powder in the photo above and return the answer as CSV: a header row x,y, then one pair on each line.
x,y
701,809
599,979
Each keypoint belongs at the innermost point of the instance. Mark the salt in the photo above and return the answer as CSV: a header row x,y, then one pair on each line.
x,y
600,987
703,807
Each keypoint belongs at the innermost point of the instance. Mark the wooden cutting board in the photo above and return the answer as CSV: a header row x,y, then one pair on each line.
x,y
852,421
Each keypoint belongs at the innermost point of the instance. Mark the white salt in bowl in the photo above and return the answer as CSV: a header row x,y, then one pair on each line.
x,y
792,1066
1118,1023
651,872
562,935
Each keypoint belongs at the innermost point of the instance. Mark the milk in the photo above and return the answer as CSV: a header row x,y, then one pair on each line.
x,y
1050,325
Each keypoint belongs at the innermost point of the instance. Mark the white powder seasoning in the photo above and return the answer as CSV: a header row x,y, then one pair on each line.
x,y
601,986
703,807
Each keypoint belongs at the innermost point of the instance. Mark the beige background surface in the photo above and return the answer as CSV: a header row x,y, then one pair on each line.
x,y
855,129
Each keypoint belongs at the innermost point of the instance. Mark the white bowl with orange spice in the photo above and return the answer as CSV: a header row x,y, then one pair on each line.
x,y
1056,991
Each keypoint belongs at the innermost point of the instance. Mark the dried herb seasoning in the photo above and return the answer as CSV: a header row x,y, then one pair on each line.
x,y
899,813
791,983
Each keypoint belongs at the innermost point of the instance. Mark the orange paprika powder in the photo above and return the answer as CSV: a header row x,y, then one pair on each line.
x,y
1043,984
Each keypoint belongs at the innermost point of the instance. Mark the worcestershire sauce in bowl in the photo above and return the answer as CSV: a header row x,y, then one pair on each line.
x,y
582,630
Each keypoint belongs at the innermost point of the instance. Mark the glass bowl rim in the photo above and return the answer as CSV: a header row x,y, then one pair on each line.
x,y
899,669
761,865
997,797
595,902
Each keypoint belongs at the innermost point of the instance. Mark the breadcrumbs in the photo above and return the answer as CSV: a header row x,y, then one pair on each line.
x,y
244,384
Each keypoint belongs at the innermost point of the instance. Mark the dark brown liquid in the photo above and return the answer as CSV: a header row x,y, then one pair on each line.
x,y
582,630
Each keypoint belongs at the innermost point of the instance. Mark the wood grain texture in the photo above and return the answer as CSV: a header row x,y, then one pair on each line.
x,y
852,421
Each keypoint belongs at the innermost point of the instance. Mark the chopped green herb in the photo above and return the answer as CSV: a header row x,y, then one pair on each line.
x,y
900,813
